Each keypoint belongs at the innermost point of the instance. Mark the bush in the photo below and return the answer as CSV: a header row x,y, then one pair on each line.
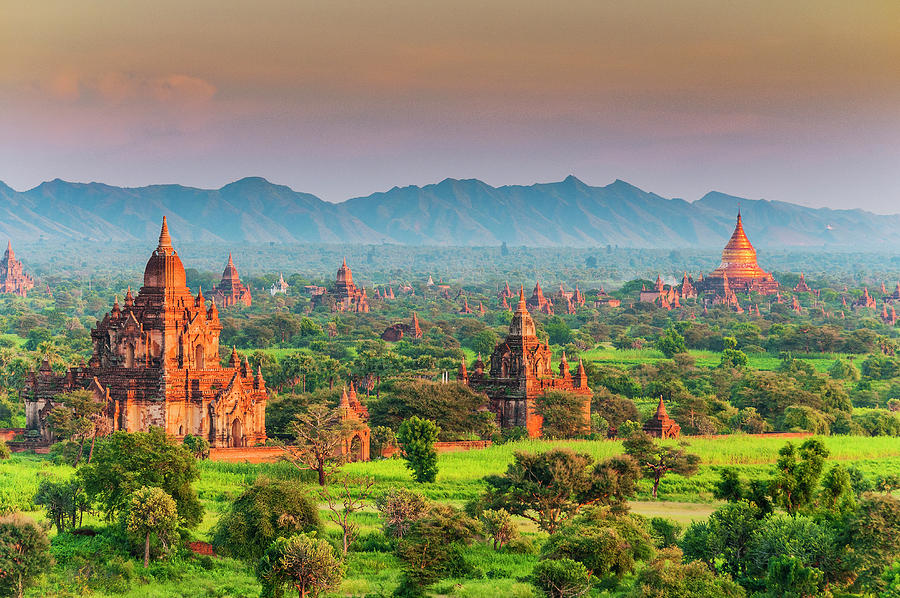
x,y
302,562
498,526
563,414
667,577
23,553
400,508
4,451
606,543
561,578
265,511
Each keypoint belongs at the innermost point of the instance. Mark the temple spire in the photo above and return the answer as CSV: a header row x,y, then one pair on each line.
x,y
165,241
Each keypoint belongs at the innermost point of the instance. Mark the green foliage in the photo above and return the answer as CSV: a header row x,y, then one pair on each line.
x,y
606,542
400,508
665,532
561,578
841,370
563,414
499,526
65,502
151,511
873,534
788,577
733,358
23,553
198,446
549,487
381,438
671,343
125,461
416,437
459,411
266,510
797,474
657,460
629,428
667,577
802,418
837,493
432,549
303,562
724,540
74,417
4,450
781,535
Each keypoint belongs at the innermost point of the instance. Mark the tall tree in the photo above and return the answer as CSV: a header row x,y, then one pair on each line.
x,y
319,434
302,562
75,417
416,438
797,474
657,461
24,553
151,511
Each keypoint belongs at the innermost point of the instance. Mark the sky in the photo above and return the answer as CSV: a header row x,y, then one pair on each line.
x,y
795,101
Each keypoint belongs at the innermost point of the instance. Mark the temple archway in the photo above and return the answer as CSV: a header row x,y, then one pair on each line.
x,y
199,357
129,356
237,433
356,449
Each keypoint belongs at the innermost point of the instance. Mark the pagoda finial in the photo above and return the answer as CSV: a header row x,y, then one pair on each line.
x,y
230,261
165,241
661,410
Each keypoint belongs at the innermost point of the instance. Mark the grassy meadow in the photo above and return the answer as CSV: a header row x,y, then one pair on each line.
x,y
373,571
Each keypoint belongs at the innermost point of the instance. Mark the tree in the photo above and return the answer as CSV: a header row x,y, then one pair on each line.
x,y
797,474
319,434
801,537
561,578
563,414
671,343
837,493
151,511
5,453
605,542
657,461
125,461
667,577
549,487
381,438
459,411
304,562
65,502
400,508
788,577
266,510
350,499
724,539
873,534
433,546
416,437
198,446
75,417
614,409
24,553
499,526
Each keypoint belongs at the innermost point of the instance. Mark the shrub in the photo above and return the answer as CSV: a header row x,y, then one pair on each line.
x,y
563,414
23,553
302,562
400,508
498,526
667,577
151,511
561,578
265,511
4,451
606,543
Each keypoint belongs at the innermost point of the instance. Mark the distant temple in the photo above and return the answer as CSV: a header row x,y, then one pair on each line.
x,y
661,425
279,286
400,330
344,295
13,279
538,302
738,271
156,363
802,287
231,291
519,372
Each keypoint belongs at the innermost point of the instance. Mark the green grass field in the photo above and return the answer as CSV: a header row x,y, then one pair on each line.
x,y
498,574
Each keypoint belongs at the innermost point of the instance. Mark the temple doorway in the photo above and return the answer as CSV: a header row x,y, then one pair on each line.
x,y
199,357
237,434
356,449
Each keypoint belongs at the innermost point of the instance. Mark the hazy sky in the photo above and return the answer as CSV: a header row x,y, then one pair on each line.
x,y
796,101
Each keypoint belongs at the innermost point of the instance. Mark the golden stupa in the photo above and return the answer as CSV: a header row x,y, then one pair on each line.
x,y
739,270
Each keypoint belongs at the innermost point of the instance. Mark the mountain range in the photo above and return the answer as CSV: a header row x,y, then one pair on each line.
x,y
450,213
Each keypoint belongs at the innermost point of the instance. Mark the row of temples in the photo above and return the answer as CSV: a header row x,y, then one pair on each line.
x,y
155,362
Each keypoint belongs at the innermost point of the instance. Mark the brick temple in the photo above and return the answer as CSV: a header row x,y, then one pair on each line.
x,y
520,371
230,290
344,295
156,363
13,279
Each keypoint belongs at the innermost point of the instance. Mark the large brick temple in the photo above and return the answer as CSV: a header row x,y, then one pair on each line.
x,y
739,270
156,363
520,371
13,279
230,290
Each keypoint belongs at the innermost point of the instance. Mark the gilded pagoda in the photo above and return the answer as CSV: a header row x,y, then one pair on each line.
x,y
739,271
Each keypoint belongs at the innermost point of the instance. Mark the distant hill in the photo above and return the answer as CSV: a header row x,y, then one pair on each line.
x,y
452,212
